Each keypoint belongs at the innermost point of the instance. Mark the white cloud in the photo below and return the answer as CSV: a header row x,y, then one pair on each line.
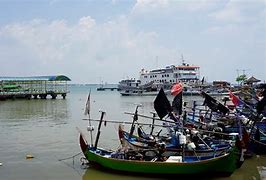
x,y
228,29
242,22
231,13
145,5
200,5
237,11
116,1
87,49
87,22
45,40
81,48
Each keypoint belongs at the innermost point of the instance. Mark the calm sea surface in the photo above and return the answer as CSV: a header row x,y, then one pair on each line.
x,y
47,130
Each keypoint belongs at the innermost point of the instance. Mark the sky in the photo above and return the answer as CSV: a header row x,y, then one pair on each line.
x,y
95,41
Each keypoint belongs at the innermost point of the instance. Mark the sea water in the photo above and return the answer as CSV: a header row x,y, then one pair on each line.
x,y
48,130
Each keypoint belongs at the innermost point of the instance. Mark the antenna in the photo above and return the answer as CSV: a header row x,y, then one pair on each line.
x,y
237,71
182,59
243,70
156,61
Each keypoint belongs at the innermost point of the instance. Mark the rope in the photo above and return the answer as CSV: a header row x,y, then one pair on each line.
x,y
70,157
72,167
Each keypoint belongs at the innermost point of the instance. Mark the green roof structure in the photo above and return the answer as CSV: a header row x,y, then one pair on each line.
x,y
36,78
34,86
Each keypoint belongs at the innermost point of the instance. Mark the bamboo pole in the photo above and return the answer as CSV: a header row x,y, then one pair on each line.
x,y
158,125
153,121
99,130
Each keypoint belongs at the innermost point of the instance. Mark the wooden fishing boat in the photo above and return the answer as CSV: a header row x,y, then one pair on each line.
x,y
140,92
224,164
257,142
257,147
200,149
154,161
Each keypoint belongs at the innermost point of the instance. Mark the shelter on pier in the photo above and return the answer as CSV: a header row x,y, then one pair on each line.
x,y
34,86
251,81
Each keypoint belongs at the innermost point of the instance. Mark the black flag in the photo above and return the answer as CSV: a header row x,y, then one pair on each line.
x,y
261,105
162,105
202,80
213,104
177,104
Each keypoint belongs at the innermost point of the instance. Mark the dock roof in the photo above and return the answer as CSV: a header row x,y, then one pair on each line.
x,y
36,78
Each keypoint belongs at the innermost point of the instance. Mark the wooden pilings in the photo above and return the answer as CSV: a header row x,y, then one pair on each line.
x,y
43,96
29,96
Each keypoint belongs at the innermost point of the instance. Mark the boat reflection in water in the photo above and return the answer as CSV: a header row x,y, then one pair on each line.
x,y
97,173
249,170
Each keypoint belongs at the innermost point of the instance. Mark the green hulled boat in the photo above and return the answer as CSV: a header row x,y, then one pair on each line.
x,y
224,164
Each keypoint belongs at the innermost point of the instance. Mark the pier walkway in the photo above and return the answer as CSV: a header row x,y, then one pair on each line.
x,y
33,87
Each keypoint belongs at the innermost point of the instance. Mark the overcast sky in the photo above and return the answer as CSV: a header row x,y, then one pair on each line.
x,y
102,40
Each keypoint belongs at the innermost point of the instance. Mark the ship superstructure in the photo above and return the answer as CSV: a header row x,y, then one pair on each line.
x,y
184,73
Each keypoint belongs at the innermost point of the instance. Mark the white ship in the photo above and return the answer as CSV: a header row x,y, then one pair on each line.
x,y
153,80
184,73
128,84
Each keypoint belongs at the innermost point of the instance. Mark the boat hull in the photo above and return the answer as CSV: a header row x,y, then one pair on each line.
x,y
257,147
223,165
213,166
140,93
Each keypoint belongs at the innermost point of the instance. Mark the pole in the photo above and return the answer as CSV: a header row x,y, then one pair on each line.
x,y
153,119
99,130
87,112
158,125
91,130
150,117
135,118
194,109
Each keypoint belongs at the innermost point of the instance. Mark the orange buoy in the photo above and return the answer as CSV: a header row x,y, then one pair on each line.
x,y
29,156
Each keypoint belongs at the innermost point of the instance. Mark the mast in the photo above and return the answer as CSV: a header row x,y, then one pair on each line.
x,y
183,60
153,121
135,118
99,130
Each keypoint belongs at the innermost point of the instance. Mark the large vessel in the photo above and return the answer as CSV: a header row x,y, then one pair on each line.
x,y
129,84
153,80
184,73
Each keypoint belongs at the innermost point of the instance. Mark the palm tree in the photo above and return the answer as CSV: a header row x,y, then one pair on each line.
x,y
241,78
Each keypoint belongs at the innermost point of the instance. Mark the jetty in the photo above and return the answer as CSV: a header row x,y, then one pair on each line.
x,y
106,88
33,87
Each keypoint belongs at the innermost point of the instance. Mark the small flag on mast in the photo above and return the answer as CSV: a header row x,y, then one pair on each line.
x,y
213,104
235,100
161,104
87,108
202,80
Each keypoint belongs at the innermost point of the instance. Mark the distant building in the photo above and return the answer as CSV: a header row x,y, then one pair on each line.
x,y
251,81
221,84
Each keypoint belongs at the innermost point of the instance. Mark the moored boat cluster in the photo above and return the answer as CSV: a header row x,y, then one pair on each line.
x,y
194,138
